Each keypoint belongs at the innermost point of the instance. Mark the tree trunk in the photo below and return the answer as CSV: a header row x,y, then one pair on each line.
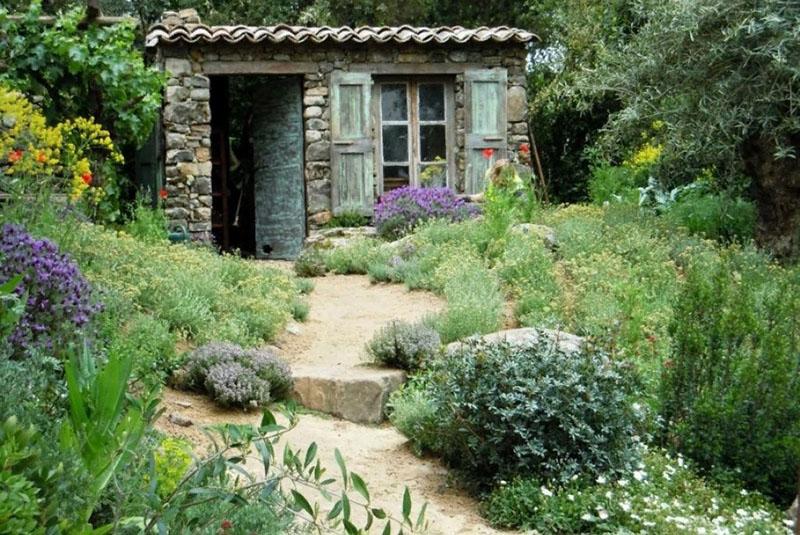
x,y
776,189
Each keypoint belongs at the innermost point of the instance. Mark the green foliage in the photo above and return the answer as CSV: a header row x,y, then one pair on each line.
x,y
731,386
200,294
355,257
474,302
147,224
19,508
102,427
506,410
720,216
404,345
413,410
173,459
152,347
348,219
310,263
615,183
662,496
300,310
97,71
12,307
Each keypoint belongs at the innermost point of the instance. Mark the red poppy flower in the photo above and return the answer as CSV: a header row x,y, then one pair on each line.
x,y
488,153
41,157
525,148
226,524
14,156
87,178
162,193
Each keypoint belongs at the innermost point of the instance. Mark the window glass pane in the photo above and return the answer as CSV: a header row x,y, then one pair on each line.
x,y
395,143
394,176
432,142
434,175
393,102
431,102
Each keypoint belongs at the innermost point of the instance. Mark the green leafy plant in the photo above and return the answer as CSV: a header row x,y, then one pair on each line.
x,y
103,425
404,345
729,390
507,410
310,263
348,219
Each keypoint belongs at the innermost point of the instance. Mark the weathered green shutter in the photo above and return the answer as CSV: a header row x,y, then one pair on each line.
x,y
485,92
351,137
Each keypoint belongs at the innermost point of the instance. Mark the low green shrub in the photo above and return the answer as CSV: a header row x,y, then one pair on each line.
x,y
504,411
413,410
404,345
147,224
310,263
300,310
662,496
173,458
610,183
730,390
348,219
304,286
152,347
238,377
475,302
355,257
716,216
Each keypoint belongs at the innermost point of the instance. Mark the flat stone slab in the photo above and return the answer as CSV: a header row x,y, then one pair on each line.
x,y
358,394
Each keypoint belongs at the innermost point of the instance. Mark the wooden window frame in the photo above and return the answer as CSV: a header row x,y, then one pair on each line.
x,y
412,84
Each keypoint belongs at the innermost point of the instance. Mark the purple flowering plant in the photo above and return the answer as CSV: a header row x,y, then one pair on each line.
x,y
400,210
58,301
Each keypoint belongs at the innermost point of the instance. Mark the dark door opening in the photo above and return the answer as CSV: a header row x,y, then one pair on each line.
x,y
257,174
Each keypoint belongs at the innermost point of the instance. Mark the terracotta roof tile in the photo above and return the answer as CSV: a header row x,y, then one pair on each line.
x,y
200,33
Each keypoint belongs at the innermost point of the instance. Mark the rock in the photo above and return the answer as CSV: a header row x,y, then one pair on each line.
x,y
294,328
339,236
517,104
313,136
545,233
179,419
319,151
178,66
318,194
355,394
312,112
183,404
525,337
320,218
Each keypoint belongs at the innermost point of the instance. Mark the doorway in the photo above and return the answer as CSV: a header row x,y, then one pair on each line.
x,y
257,165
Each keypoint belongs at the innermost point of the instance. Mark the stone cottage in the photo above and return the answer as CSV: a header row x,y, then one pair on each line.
x,y
268,131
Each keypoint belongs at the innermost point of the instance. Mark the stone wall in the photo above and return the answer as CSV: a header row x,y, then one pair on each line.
x,y
186,116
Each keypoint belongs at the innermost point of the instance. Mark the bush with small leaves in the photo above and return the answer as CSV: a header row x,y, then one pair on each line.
x,y
238,377
310,263
404,345
505,410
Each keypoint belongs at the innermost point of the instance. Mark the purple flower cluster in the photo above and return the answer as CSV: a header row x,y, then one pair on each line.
x,y
400,210
59,299
236,376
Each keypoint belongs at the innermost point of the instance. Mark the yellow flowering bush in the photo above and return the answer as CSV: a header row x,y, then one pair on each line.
x,y
75,156
645,156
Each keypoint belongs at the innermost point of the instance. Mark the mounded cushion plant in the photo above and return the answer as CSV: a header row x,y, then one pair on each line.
x,y
503,411
400,210
234,376
404,345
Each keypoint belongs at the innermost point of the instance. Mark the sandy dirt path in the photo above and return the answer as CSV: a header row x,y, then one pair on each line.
x,y
345,312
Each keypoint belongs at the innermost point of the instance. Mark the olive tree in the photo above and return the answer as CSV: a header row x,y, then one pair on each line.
x,y
724,77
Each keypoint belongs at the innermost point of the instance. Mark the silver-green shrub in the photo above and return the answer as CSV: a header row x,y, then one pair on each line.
x,y
404,345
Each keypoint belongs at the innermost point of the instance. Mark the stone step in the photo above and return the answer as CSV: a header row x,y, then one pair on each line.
x,y
358,394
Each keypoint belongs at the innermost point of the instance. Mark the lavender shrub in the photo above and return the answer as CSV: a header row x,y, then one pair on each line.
x,y
231,384
400,210
58,299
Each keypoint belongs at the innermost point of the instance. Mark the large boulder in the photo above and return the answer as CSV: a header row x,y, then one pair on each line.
x,y
526,337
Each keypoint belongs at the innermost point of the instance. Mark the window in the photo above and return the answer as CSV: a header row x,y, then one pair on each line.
x,y
414,134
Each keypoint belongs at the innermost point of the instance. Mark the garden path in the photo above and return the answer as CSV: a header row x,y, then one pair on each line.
x,y
345,313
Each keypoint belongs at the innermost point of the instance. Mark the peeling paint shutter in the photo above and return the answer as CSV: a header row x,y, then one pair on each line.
x,y
485,92
351,138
